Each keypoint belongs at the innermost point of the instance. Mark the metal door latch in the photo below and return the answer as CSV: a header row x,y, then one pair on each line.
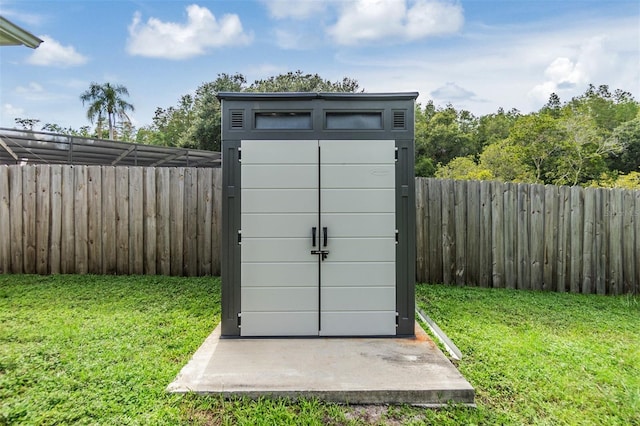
x,y
323,253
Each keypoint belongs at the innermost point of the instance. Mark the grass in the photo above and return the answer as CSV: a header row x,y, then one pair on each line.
x,y
101,350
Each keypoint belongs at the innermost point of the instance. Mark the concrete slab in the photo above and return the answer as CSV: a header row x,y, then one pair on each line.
x,y
344,370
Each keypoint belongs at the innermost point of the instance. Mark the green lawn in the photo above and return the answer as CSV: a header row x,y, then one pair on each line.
x,y
101,350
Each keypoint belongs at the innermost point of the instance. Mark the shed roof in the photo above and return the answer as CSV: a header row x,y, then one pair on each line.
x,y
28,147
317,95
13,35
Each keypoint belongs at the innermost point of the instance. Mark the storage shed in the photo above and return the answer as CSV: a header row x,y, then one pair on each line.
x,y
318,214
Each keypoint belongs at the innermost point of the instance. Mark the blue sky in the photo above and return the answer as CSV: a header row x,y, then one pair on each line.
x,y
475,54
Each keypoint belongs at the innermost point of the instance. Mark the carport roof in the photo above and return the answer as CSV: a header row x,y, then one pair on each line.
x,y
13,35
28,147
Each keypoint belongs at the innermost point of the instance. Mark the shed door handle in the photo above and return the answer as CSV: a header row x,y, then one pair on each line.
x,y
324,236
313,236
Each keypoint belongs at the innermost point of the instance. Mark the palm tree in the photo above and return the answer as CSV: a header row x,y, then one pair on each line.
x,y
106,100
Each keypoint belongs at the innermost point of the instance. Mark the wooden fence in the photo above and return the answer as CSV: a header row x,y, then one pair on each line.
x,y
133,220
110,220
506,235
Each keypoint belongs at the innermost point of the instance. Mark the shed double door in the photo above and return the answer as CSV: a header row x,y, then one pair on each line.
x,y
318,238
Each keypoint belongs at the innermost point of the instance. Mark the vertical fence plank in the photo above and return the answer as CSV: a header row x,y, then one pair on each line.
x,y
81,220
473,232
510,207
448,232
136,221
460,193
577,222
629,216
43,214
163,221
68,260
537,236
564,221
109,221
486,269
5,221
176,211
615,242
150,221
550,237
15,210
94,212
122,220
55,252
205,207
497,235
190,232
435,230
588,242
523,238
29,213
216,225
602,240
421,249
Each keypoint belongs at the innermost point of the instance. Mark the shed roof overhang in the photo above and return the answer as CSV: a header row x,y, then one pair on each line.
x,y
13,35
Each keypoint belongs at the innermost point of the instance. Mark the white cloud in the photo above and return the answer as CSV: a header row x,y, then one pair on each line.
x,y
294,9
451,92
27,18
363,21
52,53
592,61
9,110
172,40
31,88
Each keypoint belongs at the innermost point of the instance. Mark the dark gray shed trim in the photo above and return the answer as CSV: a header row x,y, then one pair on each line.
x,y
246,105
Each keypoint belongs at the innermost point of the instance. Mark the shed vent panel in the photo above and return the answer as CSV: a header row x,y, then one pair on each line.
x,y
399,120
237,119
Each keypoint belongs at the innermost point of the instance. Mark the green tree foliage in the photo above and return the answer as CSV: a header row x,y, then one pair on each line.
x,y
195,121
592,139
106,101
627,137
463,168
444,134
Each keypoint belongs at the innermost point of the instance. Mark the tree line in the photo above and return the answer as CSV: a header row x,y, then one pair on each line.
x,y
591,139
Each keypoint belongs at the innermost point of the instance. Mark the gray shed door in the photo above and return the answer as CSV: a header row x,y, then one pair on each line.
x,y
341,189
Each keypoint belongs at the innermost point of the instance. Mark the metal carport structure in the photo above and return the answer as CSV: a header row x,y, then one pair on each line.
x,y
30,147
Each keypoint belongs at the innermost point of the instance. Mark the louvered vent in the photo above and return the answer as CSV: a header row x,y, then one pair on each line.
x,y
399,120
237,119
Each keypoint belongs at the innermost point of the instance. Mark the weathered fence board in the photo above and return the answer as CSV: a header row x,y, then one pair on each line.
x,y
448,232
485,266
497,234
55,252
29,214
15,211
122,220
94,209
109,221
136,221
81,220
43,203
534,236
510,235
176,224
163,221
5,221
95,219
460,213
150,236
68,246
550,237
